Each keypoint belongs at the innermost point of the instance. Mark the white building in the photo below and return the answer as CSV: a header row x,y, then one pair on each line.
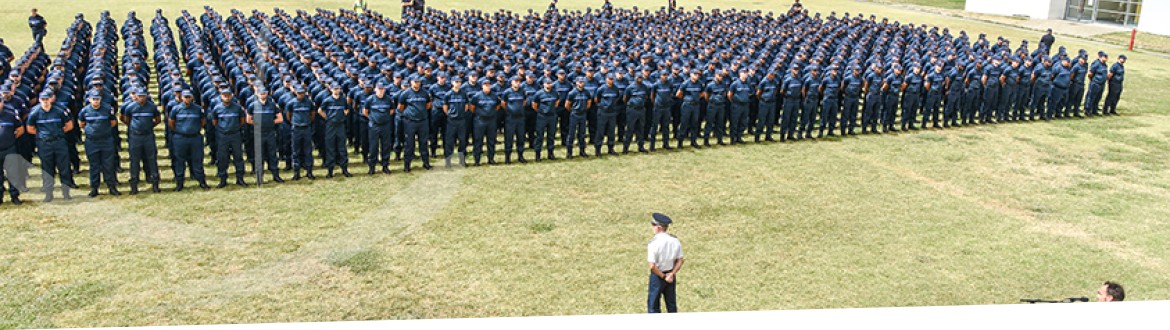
x,y
1151,16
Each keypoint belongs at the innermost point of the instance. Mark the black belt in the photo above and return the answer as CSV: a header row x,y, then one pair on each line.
x,y
187,135
300,126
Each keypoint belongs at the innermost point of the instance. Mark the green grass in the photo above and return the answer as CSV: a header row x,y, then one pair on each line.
x,y
946,4
1146,41
975,215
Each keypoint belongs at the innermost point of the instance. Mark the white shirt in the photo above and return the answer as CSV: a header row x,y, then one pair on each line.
x,y
663,250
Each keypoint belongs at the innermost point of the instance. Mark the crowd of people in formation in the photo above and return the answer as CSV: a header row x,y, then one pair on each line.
x,y
301,89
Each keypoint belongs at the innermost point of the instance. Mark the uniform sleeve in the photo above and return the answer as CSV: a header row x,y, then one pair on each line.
x,y
651,253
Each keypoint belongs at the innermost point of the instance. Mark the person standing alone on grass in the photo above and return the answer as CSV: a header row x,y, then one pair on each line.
x,y
37,24
665,255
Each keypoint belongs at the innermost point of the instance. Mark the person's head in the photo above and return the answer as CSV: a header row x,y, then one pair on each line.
x,y
660,222
1049,31
226,96
188,97
456,83
1121,59
140,96
95,100
34,11
486,86
1111,291
335,89
262,94
516,83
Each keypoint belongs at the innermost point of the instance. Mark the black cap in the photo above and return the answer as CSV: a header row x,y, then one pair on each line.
x,y
661,220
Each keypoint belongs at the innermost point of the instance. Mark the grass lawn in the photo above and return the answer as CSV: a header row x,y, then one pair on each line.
x,y
947,4
974,215
1147,41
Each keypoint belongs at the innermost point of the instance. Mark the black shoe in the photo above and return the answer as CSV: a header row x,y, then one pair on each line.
x,y
522,160
296,175
276,178
178,188
311,176
345,172
154,187
48,198
330,174
72,186
133,189
65,194
551,156
114,191
385,170
371,171
612,153
491,162
583,154
428,167
507,159
16,200
222,184
204,186
240,182
642,149
93,193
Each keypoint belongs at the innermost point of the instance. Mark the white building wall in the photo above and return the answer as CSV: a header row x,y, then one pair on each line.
x,y
1042,9
1155,17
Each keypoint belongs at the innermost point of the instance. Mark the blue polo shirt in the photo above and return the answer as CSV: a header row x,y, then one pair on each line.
x,y
380,108
141,116
485,104
50,124
228,116
188,119
97,122
415,104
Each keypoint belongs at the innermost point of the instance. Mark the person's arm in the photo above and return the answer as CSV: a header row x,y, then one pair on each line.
x,y
657,272
678,263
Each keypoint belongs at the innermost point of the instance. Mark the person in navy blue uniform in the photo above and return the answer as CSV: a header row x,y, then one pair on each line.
x,y
767,92
662,94
1058,95
993,85
1008,95
334,111
1116,78
812,101
1076,93
912,87
98,122
437,119
378,108
579,101
606,98
740,93
955,94
892,93
874,85
973,95
455,105
717,103
11,129
934,84
49,123
1042,80
185,121
1098,75
636,98
38,25
485,104
852,85
264,115
692,93
301,114
413,105
228,118
793,90
141,116
545,104
514,100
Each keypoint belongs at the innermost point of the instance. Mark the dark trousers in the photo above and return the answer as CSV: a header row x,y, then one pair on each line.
x,y
268,146
1111,99
514,135
890,110
187,151
230,147
660,291
952,108
302,148
438,127
869,114
829,109
606,125
766,119
635,128
362,137
54,163
1076,95
737,117
910,103
143,153
336,153
1093,99
716,120
788,117
546,131
973,99
563,116
1007,97
660,123
688,125
4,174
100,153
485,134
849,113
578,126
1040,101
990,102
38,35
930,109
381,137
417,132
1056,101
808,113
455,139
